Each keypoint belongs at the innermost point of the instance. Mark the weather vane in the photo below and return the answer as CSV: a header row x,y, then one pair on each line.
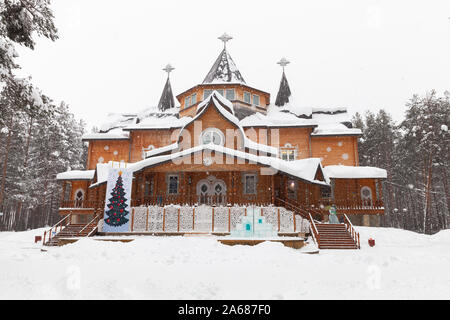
x,y
225,38
168,69
283,62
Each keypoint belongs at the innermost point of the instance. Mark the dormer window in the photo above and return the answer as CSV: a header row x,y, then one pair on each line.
x,y
194,99
230,94
187,102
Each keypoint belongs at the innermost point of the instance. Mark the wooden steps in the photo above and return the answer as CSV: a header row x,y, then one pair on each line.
x,y
71,231
334,236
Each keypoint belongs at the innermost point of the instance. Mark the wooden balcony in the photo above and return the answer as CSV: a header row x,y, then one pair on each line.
x,y
77,207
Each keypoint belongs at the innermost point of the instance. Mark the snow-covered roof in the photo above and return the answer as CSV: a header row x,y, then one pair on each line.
x,y
159,121
219,102
114,134
224,70
334,129
304,169
164,149
76,175
350,172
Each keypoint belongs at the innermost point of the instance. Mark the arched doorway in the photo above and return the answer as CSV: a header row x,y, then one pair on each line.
x,y
211,191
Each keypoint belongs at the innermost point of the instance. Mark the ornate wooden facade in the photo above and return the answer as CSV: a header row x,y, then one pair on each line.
x,y
240,171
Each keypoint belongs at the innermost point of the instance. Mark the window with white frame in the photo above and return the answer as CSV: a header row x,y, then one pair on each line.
x,y
173,184
230,94
194,99
255,100
250,184
206,93
288,152
187,102
247,97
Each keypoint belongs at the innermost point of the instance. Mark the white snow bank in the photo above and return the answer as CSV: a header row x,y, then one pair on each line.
x,y
350,172
76,175
114,134
402,265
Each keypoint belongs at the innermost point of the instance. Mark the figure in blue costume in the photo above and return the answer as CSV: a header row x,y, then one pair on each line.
x,y
333,217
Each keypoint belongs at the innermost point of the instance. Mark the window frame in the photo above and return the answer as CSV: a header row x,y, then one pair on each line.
x,y
213,130
187,102
209,91
169,176
234,94
255,181
258,98
246,93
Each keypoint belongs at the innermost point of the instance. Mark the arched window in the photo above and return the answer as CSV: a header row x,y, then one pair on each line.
x,y
212,135
366,196
79,198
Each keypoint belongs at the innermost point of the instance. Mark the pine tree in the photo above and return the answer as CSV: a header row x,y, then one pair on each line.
x,y
117,205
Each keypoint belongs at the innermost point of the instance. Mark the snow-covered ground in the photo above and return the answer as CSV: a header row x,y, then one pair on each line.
x,y
402,265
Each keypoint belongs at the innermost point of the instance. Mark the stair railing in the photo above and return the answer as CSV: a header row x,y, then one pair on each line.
x,y
296,208
93,221
354,234
59,224
314,231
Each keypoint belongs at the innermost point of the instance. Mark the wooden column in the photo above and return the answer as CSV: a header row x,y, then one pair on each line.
x,y
141,188
212,213
64,184
229,190
132,220
272,188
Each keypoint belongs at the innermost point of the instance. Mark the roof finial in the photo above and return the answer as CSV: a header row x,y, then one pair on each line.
x,y
283,62
225,38
168,69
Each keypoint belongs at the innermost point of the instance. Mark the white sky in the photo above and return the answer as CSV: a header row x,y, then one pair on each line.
x,y
362,54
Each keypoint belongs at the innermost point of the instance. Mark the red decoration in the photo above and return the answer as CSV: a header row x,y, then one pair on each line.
x,y
371,242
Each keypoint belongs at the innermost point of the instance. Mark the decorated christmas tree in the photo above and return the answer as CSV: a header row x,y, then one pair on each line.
x,y
117,205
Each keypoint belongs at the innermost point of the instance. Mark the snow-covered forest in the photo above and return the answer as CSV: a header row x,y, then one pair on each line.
x,y
416,155
38,137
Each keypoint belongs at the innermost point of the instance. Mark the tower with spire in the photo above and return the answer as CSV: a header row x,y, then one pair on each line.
x,y
284,92
225,78
224,69
167,100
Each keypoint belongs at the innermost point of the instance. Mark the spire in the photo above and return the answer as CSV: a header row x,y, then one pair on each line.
x,y
224,69
167,100
284,93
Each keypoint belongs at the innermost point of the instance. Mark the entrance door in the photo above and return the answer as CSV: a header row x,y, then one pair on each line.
x,y
211,191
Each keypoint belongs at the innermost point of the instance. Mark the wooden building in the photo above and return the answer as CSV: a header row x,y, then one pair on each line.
x,y
223,143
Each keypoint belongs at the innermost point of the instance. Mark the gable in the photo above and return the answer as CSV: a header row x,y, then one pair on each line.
x,y
212,114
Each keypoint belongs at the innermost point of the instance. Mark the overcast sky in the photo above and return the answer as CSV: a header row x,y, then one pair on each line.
x,y
361,54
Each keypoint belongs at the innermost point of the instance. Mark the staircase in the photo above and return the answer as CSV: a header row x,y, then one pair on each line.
x,y
68,230
335,236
